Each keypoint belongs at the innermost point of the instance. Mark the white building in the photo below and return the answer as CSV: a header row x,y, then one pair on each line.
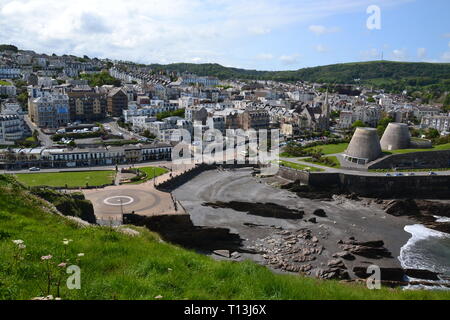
x,y
10,72
8,90
11,129
440,123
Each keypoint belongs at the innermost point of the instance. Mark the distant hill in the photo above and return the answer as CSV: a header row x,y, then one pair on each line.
x,y
340,73
428,81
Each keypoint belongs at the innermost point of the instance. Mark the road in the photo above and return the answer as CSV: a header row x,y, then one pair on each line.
x,y
45,140
117,130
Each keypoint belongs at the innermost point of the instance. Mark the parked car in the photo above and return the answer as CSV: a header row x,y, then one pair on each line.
x,y
411,174
433,173
388,175
34,169
399,174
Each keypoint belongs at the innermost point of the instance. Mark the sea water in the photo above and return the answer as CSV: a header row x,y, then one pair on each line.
x,y
427,249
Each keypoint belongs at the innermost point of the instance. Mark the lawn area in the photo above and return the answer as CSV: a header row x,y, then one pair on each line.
x,y
435,148
119,266
298,166
72,179
330,148
150,173
287,155
4,83
334,162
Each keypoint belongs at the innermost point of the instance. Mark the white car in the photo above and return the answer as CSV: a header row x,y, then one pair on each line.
x,y
34,169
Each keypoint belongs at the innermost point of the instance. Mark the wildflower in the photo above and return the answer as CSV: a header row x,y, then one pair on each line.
x,y
18,242
62,265
81,254
46,257
22,246
66,242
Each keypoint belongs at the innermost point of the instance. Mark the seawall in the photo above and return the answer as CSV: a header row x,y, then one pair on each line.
x,y
419,187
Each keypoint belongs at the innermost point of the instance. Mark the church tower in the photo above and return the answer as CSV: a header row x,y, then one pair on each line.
x,y
326,111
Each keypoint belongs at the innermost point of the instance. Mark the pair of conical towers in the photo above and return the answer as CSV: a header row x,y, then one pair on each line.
x,y
366,146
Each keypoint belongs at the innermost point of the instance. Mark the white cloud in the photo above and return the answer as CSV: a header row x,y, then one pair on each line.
x,y
264,56
320,30
259,30
400,54
421,53
446,56
290,59
160,30
321,48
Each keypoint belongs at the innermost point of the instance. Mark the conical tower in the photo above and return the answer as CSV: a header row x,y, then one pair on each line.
x,y
364,146
396,137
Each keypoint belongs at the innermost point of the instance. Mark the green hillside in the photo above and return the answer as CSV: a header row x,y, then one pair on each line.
x,y
340,73
121,266
427,81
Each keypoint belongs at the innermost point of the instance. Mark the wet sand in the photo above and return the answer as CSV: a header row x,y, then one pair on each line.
x,y
363,220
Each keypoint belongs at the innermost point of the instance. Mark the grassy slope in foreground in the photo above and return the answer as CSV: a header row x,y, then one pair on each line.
x,y
118,266
72,179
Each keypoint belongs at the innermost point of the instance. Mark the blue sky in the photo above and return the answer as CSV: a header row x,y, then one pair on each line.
x,y
253,34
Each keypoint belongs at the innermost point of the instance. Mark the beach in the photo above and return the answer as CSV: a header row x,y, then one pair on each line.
x,y
218,198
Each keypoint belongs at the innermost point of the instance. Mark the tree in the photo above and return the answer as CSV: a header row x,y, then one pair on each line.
x,y
432,133
383,125
358,124
148,134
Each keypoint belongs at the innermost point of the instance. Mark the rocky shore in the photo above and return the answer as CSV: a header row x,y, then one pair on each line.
x,y
322,235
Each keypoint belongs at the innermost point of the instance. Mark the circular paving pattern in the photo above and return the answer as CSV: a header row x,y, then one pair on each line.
x,y
118,201
128,200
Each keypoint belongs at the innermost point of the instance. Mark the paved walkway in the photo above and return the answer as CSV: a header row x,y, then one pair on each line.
x,y
143,199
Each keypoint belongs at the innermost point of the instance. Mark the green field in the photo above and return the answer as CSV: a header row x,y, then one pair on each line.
x,y
150,173
298,166
435,148
334,162
330,148
4,83
71,179
119,266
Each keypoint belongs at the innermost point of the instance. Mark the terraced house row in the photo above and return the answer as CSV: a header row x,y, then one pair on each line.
x,y
71,158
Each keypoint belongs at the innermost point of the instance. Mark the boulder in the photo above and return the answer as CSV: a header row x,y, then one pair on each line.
x,y
387,274
336,263
400,208
312,220
367,252
344,255
222,253
332,273
421,274
320,213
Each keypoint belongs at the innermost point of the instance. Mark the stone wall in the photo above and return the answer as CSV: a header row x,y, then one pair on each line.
x,y
181,179
420,187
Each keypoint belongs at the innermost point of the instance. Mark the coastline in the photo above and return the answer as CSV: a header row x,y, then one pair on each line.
x,y
266,239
